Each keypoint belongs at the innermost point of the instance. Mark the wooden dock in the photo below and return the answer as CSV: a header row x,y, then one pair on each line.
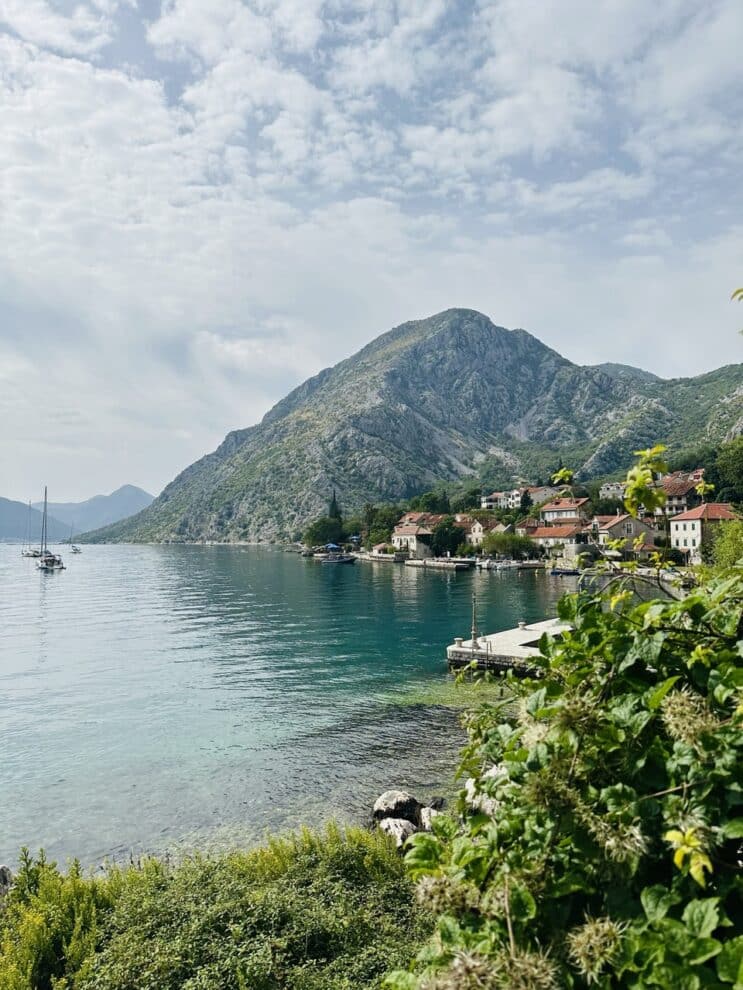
x,y
511,649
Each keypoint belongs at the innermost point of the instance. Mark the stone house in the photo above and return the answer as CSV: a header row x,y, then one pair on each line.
x,y
564,511
690,529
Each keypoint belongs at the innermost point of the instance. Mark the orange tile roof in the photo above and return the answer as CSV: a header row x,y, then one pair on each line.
x,y
709,510
554,532
563,503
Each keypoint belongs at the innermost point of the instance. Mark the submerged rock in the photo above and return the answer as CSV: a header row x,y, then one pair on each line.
x,y
400,829
397,804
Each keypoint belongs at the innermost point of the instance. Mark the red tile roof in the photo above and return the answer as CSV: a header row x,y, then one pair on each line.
x,y
409,529
554,532
563,503
710,510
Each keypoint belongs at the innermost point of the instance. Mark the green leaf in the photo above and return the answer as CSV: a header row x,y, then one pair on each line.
x,y
656,696
657,901
701,949
522,904
733,829
702,916
730,961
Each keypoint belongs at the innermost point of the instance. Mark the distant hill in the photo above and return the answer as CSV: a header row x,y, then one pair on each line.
x,y
14,524
101,510
432,400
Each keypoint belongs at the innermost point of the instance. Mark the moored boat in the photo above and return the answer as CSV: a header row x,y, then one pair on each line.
x,y
47,561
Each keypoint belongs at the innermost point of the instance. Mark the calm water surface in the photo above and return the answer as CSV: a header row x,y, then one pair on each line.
x,y
155,695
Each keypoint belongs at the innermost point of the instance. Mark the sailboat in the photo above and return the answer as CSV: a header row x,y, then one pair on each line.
x,y
27,550
73,548
47,561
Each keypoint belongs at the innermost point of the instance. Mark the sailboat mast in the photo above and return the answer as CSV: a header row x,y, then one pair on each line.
x,y
43,526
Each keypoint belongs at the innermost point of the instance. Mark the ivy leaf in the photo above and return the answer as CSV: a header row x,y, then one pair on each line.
x,y
733,829
702,916
657,901
701,949
730,961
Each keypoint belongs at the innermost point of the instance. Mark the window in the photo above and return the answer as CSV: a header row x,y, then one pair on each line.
x,y
684,529
686,543
628,528
693,543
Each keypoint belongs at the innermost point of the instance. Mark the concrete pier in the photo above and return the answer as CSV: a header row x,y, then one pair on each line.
x,y
511,649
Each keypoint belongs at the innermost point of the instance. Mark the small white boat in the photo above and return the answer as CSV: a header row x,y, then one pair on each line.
x,y
339,558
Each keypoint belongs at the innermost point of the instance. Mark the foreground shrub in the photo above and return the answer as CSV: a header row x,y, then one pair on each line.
x,y
309,912
610,854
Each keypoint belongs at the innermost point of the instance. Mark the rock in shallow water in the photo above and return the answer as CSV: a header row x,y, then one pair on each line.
x,y
397,804
400,829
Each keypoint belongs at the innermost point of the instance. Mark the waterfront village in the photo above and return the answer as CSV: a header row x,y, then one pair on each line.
x,y
562,527
546,524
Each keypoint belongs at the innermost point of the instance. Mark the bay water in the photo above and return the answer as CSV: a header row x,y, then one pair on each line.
x,y
168,697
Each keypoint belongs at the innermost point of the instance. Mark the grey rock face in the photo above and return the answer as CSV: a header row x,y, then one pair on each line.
x,y
432,400
397,804
400,829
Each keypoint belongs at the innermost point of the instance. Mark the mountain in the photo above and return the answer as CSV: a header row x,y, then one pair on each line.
x,y
429,401
101,510
14,523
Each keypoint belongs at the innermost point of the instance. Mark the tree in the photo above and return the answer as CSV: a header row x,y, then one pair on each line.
x,y
467,499
430,502
323,530
510,545
526,502
730,469
446,537
334,511
727,547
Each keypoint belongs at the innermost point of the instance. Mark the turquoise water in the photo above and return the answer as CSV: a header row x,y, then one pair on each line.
x,y
151,696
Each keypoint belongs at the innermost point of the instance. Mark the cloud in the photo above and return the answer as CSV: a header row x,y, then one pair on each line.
x,y
83,32
277,182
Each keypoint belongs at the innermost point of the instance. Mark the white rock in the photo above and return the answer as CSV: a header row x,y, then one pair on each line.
x,y
399,828
427,816
397,804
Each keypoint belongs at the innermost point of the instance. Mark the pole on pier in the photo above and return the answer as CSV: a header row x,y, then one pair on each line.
x,y
475,636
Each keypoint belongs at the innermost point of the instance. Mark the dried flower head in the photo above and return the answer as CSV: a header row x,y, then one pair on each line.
x,y
445,895
620,842
527,971
467,971
593,945
687,717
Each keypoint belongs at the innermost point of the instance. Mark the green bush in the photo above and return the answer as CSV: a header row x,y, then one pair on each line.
x,y
610,854
309,912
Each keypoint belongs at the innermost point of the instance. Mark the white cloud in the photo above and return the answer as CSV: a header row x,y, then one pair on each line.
x,y
81,33
275,183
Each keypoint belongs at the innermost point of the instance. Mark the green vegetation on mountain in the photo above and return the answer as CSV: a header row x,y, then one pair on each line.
x,y
430,402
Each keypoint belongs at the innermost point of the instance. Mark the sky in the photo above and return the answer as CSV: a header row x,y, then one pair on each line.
x,y
203,202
